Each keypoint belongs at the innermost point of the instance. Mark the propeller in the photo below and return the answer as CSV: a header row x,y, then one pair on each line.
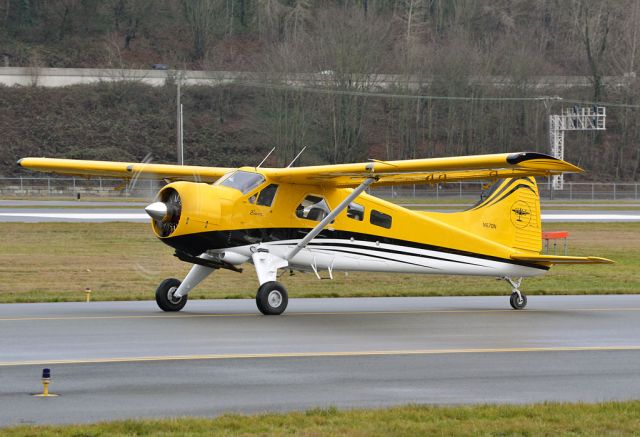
x,y
154,185
165,212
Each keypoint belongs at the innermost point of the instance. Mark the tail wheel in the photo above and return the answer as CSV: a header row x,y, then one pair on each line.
x,y
165,296
518,302
272,298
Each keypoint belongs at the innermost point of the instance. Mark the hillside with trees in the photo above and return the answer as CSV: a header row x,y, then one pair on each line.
x,y
490,53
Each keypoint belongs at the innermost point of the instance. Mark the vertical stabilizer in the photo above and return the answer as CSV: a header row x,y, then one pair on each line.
x,y
513,204
508,214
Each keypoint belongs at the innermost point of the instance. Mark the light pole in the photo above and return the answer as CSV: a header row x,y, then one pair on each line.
x,y
179,123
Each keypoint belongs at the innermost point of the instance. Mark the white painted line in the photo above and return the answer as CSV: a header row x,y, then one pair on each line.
x,y
593,217
78,216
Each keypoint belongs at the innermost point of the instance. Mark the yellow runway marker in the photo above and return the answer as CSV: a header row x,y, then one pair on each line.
x,y
322,354
292,314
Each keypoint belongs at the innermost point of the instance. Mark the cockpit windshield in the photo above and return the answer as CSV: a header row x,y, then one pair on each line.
x,y
243,181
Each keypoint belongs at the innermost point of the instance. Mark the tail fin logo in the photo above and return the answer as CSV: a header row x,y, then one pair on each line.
x,y
520,214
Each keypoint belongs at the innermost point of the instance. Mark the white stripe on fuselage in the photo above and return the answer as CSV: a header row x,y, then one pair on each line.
x,y
356,255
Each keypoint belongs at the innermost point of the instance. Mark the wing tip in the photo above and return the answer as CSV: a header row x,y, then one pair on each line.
x,y
517,158
599,260
523,157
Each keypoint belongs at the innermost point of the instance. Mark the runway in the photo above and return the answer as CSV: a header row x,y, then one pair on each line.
x,y
114,360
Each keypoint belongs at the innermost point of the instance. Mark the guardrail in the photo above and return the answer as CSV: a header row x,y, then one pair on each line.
x,y
107,187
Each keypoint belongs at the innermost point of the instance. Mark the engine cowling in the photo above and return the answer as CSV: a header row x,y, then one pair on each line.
x,y
183,208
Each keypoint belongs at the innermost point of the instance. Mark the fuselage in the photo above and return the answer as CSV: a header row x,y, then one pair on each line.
x,y
244,211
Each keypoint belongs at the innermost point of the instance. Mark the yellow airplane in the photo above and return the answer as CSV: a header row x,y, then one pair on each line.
x,y
320,219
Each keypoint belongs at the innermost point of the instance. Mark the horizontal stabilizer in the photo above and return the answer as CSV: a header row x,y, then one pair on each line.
x,y
556,259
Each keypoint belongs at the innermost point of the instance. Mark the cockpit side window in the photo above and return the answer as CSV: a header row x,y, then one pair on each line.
x,y
244,181
313,208
355,211
266,196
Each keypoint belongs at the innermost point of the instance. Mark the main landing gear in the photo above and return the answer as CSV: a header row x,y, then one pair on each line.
x,y
518,299
271,298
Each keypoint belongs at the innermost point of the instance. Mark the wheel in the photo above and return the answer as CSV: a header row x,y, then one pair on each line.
x,y
518,303
164,296
272,298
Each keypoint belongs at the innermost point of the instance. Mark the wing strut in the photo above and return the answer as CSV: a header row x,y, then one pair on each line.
x,y
328,219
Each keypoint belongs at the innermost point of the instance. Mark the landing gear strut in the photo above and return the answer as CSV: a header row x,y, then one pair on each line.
x,y
272,298
518,299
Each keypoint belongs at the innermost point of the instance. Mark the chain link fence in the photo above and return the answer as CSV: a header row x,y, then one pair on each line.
x,y
114,188
76,187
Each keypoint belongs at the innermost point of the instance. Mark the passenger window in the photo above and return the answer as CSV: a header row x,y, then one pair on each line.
x,y
380,219
313,208
355,211
266,196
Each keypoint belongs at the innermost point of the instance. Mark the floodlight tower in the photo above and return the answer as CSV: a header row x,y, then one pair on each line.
x,y
575,118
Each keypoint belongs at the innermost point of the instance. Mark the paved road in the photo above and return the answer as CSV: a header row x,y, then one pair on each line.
x,y
126,359
81,214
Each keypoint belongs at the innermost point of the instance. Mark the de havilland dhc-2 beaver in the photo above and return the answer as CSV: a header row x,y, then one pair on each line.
x,y
320,219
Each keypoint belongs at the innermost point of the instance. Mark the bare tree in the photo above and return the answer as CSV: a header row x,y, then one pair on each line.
x,y
297,19
348,49
287,110
7,10
593,19
64,10
269,18
201,16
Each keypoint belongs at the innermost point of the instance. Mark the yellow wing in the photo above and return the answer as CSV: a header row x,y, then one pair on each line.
x,y
412,171
125,170
420,171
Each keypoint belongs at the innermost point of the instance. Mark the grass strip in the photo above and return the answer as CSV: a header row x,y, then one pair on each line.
x,y
49,262
607,418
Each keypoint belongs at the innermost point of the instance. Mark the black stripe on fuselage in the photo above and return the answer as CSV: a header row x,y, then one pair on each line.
x,y
197,243
351,252
399,252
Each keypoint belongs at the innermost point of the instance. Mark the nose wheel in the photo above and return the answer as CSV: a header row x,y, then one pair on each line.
x,y
272,298
165,296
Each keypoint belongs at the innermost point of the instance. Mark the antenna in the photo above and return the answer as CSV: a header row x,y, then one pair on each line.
x,y
381,162
265,158
297,156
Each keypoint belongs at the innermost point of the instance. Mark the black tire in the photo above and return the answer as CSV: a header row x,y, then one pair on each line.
x,y
516,302
272,298
164,296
